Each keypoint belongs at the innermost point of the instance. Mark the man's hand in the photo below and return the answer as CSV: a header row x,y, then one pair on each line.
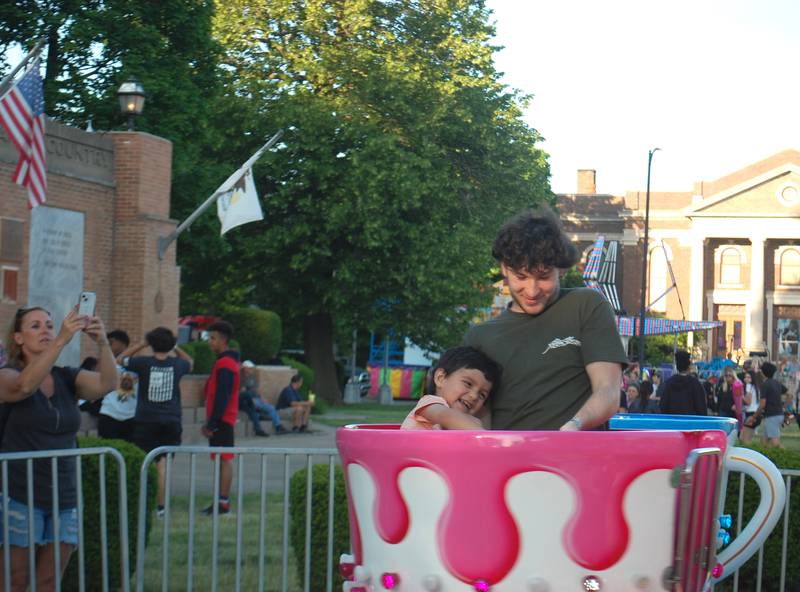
x,y
605,378
206,432
570,426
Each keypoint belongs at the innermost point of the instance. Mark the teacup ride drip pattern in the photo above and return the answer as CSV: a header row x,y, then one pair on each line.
x,y
510,511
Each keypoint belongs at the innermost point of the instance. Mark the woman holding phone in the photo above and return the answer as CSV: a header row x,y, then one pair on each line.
x,y
40,412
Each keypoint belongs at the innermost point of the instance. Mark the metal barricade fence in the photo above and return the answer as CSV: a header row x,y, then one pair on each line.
x,y
54,457
271,478
281,461
283,467
733,583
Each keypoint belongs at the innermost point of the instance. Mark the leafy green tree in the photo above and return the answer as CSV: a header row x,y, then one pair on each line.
x,y
92,46
403,153
573,278
660,349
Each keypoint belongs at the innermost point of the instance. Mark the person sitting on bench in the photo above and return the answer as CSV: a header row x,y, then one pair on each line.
x,y
290,398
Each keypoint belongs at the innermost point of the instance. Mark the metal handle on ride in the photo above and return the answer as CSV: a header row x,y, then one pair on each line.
x,y
773,496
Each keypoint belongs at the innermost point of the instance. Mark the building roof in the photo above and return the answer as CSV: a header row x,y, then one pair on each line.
x,y
767,188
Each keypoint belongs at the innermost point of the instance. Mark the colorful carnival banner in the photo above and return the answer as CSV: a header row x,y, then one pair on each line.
x,y
406,382
628,326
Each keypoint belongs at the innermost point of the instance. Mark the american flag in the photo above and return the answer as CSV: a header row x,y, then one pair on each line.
x,y
22,116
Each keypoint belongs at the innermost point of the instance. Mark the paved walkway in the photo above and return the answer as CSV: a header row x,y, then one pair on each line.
x,y
321,437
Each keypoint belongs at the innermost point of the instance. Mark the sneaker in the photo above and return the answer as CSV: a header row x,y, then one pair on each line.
x,y
160,512
295,429
303,429
222,508
280,430
262,433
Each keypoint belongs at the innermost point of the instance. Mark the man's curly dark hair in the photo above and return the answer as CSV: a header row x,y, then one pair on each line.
x,y
532,240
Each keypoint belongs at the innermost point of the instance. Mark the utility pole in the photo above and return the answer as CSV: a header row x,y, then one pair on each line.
x,y
643,301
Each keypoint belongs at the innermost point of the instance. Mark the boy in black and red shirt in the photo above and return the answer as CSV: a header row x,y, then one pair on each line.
x,y
222,406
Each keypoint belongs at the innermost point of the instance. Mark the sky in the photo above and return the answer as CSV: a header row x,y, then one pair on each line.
x,y
712,83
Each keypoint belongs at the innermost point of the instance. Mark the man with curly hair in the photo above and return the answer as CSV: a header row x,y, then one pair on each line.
x,y
561,354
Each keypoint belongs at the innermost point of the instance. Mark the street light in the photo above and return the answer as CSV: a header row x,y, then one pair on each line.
x,y
644,263
131,99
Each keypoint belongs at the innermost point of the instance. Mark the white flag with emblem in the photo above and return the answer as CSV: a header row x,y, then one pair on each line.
x,y
239,204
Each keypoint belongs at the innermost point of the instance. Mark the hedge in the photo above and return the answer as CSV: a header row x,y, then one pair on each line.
x,y
770,577
90,472
203,357
319,524
259,333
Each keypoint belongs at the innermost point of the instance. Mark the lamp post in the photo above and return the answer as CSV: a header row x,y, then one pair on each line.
x,y
352,392
385,396
643,302
131,99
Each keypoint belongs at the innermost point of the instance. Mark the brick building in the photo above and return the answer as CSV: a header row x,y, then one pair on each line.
x,y
108,201
733,245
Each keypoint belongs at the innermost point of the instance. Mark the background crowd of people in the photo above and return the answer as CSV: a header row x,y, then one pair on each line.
x,y
133,389
752,393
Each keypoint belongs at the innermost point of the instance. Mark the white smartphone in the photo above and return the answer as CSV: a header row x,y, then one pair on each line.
x,y
86,302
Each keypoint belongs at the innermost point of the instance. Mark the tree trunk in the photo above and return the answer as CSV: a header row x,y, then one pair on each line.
x,y
318,344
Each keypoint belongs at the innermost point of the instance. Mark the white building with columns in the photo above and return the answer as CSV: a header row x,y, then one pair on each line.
x,y
732,246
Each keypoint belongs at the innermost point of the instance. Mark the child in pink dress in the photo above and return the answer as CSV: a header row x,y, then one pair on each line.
x,y
462,380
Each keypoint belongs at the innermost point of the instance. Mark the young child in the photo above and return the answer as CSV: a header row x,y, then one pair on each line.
x,y
462,380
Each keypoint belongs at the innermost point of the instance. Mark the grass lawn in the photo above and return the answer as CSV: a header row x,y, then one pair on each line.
x,y
178,548
365,412
790,437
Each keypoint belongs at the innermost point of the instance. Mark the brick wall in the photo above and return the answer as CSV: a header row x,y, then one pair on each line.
x,y
120,181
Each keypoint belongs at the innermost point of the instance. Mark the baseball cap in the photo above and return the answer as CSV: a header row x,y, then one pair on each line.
x,y
248,364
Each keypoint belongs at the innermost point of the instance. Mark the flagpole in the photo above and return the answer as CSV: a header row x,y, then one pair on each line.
x,y
32,54
165,241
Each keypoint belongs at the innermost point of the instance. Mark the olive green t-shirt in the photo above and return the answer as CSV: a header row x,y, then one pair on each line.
x,y
544,358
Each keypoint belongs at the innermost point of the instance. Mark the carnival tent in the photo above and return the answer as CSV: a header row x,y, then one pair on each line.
x,y
600,275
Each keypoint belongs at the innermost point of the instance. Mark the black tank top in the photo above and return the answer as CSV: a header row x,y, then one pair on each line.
x,y
39,423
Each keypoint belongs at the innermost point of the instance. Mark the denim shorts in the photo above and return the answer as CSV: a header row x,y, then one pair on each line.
x,y
43,525
772,426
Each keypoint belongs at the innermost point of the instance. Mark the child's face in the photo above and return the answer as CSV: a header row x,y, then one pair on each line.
x,y
466,389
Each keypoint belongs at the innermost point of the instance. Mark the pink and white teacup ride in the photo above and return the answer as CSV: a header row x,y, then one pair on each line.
x,y
622,510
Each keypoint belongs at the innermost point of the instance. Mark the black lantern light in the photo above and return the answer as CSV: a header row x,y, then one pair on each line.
x,y
131,99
